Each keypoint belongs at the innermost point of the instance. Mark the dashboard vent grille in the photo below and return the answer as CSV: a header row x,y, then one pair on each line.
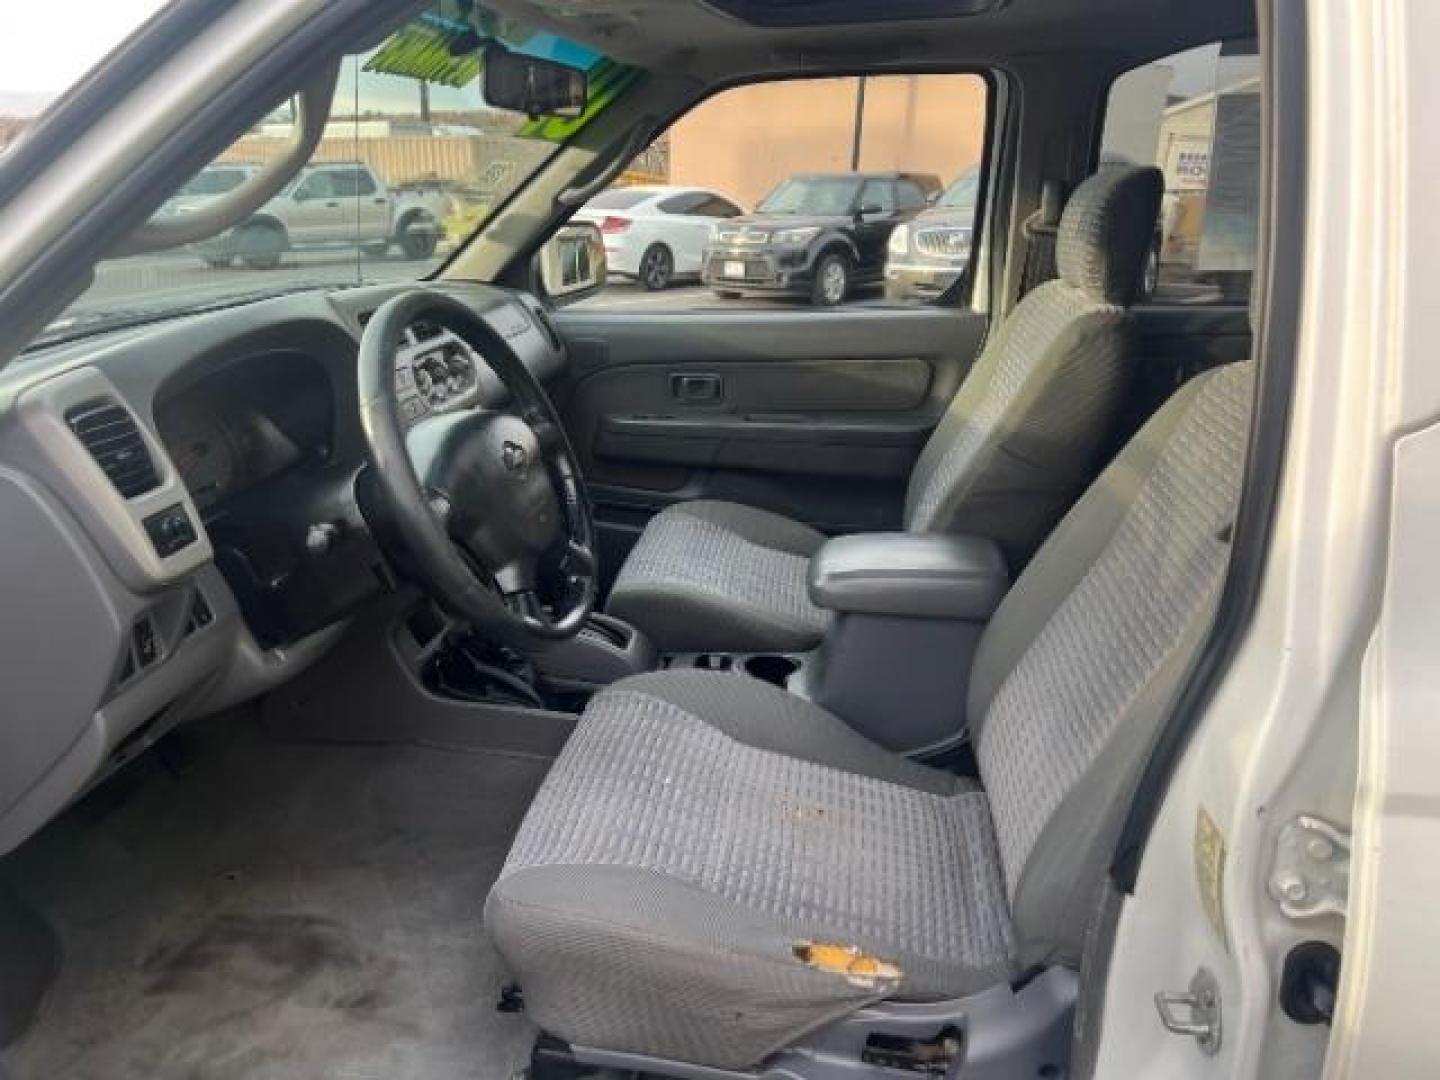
x,y
546,326
109,433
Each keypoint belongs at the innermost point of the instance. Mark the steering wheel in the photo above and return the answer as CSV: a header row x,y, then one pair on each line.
x,y
480,498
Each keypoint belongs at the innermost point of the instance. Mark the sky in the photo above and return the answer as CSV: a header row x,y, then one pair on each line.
x,y
30,77
78,34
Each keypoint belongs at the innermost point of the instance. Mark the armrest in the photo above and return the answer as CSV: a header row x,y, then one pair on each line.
x,y
915,574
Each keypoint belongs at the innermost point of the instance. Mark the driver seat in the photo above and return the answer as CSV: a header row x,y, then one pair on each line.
x,y
704,837
1017,444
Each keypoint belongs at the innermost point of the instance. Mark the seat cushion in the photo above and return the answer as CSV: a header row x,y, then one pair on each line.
x,y
718,576
696,830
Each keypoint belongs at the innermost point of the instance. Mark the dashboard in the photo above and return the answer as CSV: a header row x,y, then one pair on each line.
x,y
163,489
247,423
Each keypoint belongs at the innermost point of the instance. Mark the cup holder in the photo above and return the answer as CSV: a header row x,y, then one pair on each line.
x,y
772,669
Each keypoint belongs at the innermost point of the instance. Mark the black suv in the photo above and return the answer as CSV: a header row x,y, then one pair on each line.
x,y
817,235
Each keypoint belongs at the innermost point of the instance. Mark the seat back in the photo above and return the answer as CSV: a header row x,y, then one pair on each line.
x,y
1084,657
1020,439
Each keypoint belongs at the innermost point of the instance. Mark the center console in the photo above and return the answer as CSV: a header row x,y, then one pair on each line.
x,y
909,611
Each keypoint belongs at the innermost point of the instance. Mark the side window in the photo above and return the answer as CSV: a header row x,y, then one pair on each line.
x,y
910,197
718,208
364,182
343,183
878,195
319,185
783,166
1195,115
682,204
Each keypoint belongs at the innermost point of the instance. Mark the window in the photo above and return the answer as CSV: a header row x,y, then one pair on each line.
x,y
909,196
716,207
320,185
879,196
1195,115
410,141
619,199
760,189
682,204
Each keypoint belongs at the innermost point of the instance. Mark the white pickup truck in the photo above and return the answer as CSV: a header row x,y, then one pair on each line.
x,y
323,206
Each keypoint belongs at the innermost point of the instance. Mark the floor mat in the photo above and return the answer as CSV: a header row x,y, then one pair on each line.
x,y
272,910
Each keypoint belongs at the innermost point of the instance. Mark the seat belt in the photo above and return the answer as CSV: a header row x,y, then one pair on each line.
x,y
1039,230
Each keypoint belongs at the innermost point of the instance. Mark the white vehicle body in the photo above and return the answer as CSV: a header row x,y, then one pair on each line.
x,y
657,220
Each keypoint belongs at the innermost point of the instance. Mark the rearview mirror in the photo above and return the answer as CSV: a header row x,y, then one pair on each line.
x,y
572,265
532,86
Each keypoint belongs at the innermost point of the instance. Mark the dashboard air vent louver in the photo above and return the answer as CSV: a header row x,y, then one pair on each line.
x,y
108,431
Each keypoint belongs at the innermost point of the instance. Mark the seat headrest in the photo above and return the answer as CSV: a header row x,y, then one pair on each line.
x,y
1106,231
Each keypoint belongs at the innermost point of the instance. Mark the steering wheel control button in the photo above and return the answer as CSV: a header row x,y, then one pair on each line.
x,y
170,530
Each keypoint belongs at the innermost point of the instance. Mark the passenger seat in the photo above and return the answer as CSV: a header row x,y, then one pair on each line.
x,y
1016,447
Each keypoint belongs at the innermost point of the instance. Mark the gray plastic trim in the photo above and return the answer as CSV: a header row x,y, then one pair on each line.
x,y
1007,1034
54,454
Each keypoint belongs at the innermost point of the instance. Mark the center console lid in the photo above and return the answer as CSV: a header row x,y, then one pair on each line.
x,y
919,575
909,613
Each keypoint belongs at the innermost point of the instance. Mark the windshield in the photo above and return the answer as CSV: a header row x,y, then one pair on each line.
x,y
962,193
818,195
411,163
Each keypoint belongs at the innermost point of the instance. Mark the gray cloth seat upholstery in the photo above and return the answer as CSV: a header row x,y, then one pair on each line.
x,y
1017,444
699,828
707,572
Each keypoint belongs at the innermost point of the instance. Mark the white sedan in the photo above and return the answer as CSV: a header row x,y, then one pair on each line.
x,y
656,234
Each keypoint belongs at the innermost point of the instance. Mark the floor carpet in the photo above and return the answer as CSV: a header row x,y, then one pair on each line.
x,y
276,911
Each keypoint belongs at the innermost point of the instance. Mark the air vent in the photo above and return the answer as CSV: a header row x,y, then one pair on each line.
x,y
109,433
543,322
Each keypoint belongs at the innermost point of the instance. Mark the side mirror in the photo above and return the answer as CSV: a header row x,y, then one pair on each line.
x,y
532,86
572,265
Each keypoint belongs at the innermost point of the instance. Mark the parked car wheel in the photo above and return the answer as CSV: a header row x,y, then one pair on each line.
x,y
728,294
417,245
832,280
657,268
261,246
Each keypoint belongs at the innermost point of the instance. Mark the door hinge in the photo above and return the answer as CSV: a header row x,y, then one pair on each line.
x,y
1195,1012
1311,875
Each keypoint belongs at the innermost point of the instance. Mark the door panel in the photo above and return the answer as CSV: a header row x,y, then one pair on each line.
x,y
816,415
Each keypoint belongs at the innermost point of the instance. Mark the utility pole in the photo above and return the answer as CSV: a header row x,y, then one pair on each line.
x,y
859,123
424,101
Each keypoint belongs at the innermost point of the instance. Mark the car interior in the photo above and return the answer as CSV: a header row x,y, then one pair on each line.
x,y
437,678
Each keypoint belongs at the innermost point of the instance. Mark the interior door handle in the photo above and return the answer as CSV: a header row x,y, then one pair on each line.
x,y
696,388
